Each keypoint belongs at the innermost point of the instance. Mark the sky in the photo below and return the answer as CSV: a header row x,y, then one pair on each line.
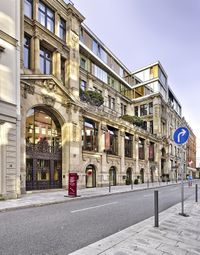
x,y
141,32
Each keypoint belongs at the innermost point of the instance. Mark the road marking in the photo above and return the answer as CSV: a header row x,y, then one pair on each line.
x,y
173,189
93,207
148,195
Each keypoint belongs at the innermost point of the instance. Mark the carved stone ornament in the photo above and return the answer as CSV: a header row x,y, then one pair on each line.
x,y
28,89
50,85
48,100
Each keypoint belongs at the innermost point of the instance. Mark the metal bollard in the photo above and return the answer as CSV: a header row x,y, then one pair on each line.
x,y
109,187
196,191
156,208
131,184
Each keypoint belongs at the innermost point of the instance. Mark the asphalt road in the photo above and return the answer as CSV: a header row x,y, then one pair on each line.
x,y
66,227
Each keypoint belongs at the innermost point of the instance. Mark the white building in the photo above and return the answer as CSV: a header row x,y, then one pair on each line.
x,y
9,98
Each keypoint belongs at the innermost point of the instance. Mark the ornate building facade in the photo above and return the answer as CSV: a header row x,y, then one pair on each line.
x,y
83,111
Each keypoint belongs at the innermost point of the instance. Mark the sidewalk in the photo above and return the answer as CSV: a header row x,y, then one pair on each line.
x,y
176,235
40,198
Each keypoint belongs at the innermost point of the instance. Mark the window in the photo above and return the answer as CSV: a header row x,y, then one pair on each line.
x,y
141,148
123,109
151,127
111,102
151,108
45,61
90,135
99,51
28,8
143,110
144,125
113,139
121,72
83,85
27,43
99,73
136,110
81,35
46,16
63,70
151,151
83,63
62,29
128,145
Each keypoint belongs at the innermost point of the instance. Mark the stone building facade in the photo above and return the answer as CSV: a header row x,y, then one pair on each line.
x,y
9,99
77,99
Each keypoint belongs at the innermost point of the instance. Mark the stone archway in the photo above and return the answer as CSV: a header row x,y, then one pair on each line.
x,y
129,176
90,176
43,150
113,176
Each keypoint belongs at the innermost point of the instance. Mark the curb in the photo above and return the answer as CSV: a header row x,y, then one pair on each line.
x,y
80,198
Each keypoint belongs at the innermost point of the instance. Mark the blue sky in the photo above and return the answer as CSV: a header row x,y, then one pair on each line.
x,y
140,32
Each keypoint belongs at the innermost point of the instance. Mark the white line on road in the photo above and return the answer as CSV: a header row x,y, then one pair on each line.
x,y
93,207
173,189
148,195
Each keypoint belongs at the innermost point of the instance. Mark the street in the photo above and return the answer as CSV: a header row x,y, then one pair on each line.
x,y
66,227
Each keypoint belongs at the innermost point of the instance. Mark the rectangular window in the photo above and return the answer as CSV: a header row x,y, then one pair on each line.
x,y
113,138
123,109
113,103
83,85
45,61
46,16
136,110
63,70
83,63
62,29
151,151
95,47
27,47
151,108
81,35
141,149
128,145
143,110
28,8
151,127
99,73
90,135
144,125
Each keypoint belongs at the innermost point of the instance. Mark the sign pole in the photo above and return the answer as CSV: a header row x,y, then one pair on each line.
x,y
181,136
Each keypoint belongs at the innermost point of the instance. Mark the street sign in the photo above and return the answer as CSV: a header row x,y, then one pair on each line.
x,y
72,187
181,135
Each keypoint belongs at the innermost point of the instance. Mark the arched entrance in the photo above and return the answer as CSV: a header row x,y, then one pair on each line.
x,y
90,176
112,176
142,175
43,150
128,176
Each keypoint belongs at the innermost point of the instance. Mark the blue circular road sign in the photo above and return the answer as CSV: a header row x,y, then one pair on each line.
x,y
181,135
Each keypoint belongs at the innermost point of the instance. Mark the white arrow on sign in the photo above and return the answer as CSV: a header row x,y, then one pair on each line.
x,y
182,133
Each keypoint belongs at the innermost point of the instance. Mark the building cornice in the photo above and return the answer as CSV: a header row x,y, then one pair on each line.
x,y
6,37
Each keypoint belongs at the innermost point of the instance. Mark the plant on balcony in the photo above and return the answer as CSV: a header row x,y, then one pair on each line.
x,y
92,97
135,120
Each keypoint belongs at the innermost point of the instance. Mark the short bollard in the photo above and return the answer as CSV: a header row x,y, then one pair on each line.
x,y
156,208
131,184
109,187
196,192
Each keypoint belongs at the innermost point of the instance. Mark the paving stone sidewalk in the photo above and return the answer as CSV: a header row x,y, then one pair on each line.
x,y
176,235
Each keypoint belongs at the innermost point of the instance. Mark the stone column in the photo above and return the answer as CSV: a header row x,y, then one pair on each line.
x,y
57,20
122,155
35,9
136,155
72,39
36,55
57,65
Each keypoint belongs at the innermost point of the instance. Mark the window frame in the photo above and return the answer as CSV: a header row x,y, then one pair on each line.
x,y
62,27
28,48
45,60
31,11
46,16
